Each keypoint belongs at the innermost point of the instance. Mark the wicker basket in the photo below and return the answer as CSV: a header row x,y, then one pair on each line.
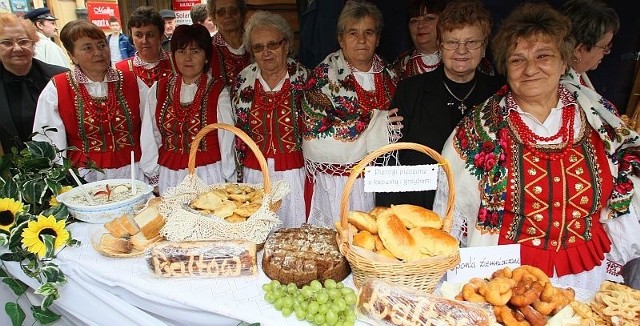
x,y
423,274
185,225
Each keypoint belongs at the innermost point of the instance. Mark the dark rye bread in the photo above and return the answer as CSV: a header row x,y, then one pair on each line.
x,y
301,255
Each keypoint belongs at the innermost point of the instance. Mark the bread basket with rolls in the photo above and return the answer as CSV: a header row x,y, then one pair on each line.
x,y
420,265
232,211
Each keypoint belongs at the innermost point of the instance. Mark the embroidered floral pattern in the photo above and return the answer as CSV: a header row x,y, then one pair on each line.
x,y
331,106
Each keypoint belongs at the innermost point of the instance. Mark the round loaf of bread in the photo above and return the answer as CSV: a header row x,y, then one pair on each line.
x,y
301,255
434,242
413,216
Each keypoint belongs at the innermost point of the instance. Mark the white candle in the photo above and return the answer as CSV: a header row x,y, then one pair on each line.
x,y
133,174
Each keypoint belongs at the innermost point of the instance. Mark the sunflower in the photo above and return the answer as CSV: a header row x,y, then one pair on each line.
x,y
31,236
8,210
53,202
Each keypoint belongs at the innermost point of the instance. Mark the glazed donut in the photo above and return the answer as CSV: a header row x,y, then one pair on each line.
x,y
530,272
533,316
526,292
471,290
498,292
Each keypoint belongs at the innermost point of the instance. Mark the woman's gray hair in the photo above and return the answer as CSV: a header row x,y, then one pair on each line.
x,y
266,19
357,10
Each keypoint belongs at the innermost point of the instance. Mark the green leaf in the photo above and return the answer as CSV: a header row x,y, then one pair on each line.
x,y
33,191
41,149
16,285
49,242
60,212
16,235
3,273
10,189
44,315
15,313
52,273
4,239
48,289
53,184
10,256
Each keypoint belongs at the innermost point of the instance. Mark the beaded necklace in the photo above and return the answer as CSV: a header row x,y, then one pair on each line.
x,y
148,76
102,109
422,66
530,139
188,111
375,99
267,101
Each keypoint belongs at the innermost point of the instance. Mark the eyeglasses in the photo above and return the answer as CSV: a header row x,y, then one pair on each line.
x,y
257,48
605,49
23,43
232,11
470,44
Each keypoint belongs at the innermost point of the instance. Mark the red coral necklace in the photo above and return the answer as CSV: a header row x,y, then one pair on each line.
x,y
101,108
185,112
267,101
531,139
375,99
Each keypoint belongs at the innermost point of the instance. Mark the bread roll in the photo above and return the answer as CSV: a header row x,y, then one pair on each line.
x,y
374,212
129,224
434,242
413,216
365,240
383,303
396,238
363,221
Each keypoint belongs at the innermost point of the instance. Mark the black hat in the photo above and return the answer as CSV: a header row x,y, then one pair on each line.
x,y
38,14
167,13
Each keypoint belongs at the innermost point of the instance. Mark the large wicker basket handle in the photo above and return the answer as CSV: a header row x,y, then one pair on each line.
x,y
359,168
240,134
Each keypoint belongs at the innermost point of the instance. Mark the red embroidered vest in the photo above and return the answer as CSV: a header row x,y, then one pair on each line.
x,y
275,128
553,212
107,142
178,129
148,76
226,65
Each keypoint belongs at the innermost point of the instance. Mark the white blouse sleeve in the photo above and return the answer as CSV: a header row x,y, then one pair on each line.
x,y
227,138
149,134
47,115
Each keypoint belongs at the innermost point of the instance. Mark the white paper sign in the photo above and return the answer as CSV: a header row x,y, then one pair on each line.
x,y
483,261
400,178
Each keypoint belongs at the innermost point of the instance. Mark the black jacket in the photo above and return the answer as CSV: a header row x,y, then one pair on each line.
x,y
12,132
430,115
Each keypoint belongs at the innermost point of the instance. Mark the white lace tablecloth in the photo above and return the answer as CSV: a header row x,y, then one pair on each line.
x,y
123,291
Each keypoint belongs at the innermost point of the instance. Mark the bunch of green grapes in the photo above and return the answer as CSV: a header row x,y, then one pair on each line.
x,y
331,304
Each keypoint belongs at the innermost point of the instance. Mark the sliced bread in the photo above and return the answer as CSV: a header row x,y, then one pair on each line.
x,y
112,244
150,221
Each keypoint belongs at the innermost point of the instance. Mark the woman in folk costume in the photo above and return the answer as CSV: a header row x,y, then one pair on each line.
x,y
544,163
425,54
150,62
593,26
181,105
267,101
346,112
94,108
229,54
